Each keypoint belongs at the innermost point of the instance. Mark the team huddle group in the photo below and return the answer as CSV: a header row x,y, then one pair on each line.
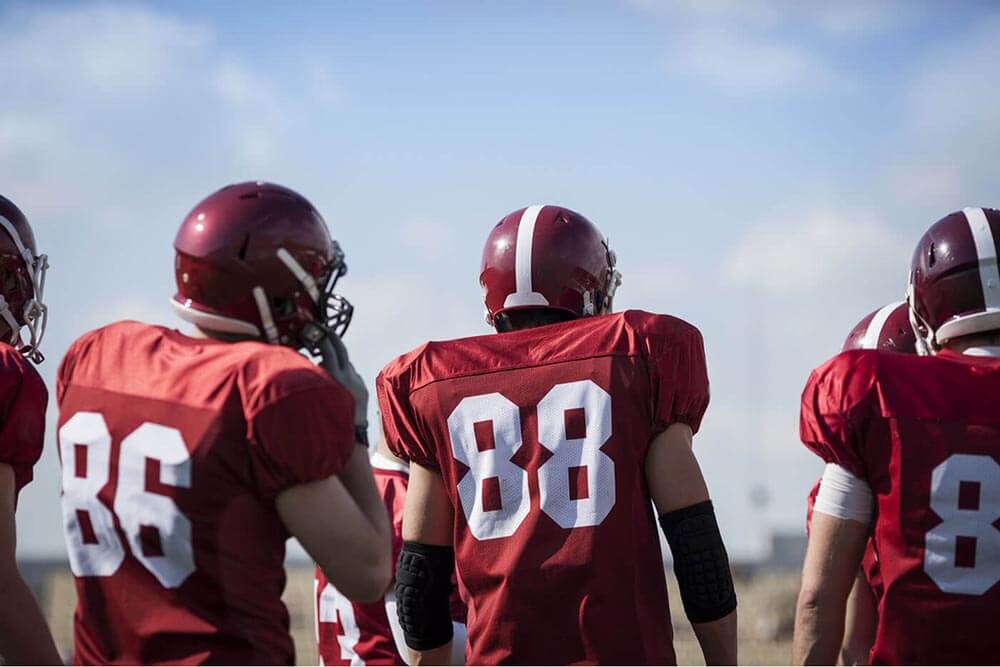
x,y
511,509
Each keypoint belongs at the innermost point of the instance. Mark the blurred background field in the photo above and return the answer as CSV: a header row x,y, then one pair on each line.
x,y
766,607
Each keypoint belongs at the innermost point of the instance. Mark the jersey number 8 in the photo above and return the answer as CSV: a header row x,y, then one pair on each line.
x,y
962,553
95,550
494,492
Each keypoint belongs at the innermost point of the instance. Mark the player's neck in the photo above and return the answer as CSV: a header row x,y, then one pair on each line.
x,y
197,332
982,351
977,345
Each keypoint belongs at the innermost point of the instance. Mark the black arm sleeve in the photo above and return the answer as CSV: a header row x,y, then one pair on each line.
x,y
423,594
700,562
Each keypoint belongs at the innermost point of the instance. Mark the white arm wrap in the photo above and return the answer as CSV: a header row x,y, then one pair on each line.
x,y
844,496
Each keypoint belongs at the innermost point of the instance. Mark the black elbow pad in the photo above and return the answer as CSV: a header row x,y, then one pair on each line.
x,y
423,594
700,562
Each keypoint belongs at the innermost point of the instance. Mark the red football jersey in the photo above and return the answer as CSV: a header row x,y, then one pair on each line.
x,y
355,633
23,399
541,436
925,433
869,564
173,450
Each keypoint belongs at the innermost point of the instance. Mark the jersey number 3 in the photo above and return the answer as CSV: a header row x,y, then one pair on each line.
x,y
962,553
576,485
158,534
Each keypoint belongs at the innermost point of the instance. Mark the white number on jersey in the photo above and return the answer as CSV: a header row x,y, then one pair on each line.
x,y
335,608
971,526
491,466
85,448
576,484
95,550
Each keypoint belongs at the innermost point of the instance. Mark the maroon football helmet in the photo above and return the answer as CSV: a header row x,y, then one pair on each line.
x,y
256,259
887,328
22,283
548,257
954,283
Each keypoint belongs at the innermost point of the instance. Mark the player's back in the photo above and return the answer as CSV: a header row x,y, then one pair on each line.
x,y
173,450
925,432
540,436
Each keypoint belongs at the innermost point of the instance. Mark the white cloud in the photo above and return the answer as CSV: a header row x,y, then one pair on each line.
x,y
741,63
950,130
115,119
112,48
429,238
819,253
863,18
745,47
844,18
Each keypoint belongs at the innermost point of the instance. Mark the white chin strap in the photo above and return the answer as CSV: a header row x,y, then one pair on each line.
x,y
925,342
35,313
270,329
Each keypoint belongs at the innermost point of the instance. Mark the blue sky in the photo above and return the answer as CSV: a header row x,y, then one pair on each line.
x,y
762,169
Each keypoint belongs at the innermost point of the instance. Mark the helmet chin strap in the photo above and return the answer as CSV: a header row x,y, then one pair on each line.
x,y
300,273
926,344
266,318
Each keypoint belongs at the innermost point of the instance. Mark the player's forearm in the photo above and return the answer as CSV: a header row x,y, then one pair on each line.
x,y
24,634
357,478
819,628
860,623
718,640
435,656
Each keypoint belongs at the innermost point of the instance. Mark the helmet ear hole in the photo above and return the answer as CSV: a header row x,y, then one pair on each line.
x,y
282,307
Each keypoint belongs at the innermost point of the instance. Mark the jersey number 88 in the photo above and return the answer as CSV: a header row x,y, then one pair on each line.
x,y
573,458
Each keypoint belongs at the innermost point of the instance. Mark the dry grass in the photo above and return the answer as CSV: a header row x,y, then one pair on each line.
x,y
767,603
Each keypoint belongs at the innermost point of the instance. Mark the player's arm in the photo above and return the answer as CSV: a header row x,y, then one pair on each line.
x,y
24,634
837,539
424,572
860,623
681,497
342,523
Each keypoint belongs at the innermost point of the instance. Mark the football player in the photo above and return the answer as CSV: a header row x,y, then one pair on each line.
x,y
535,455
912,445
887,328
187,461
24,635
351,633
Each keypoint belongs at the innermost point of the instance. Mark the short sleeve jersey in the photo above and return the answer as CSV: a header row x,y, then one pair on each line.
x,y
352,633
925,433
23,399
540,436
173,450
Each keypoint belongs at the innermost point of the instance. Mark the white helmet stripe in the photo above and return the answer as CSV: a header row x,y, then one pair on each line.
x,y
874,330
525,294
986,249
